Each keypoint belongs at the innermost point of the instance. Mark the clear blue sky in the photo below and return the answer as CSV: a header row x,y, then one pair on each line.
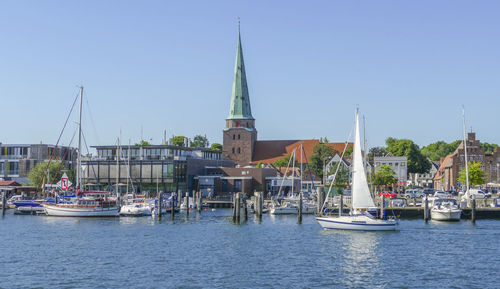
x,y
168,65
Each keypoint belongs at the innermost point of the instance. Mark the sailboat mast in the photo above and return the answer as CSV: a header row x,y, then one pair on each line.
x,y
465,153
301,166
117,164
293,171
79,159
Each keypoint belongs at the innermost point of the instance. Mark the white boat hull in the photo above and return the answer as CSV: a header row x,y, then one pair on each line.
x,y
357,223
83,212
134,210
284,211
446,214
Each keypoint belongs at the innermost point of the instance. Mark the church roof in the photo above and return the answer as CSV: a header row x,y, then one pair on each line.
x,y
269,151
240,99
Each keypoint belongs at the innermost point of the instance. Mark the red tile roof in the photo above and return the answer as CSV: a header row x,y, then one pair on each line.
x,y
9,184
270,151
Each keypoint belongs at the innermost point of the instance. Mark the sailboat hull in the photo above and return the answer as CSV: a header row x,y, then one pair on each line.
x,y
357,223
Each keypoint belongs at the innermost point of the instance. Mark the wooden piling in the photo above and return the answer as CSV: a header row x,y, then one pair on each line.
x,y
160,203
426,209
258,205
321,200
341,205
198,202
187,204
382,204
238,208
473,211
299,215
172,208
245,208
3,202
234,207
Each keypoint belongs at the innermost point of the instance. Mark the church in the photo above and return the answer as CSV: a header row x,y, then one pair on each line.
x,y
240,142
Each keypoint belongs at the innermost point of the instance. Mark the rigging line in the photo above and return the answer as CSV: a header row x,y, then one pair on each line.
x,y
89,112
336,171
58,139
88,152
286,171
63,157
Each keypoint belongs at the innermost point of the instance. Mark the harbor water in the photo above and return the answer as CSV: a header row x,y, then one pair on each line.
x,y
209,251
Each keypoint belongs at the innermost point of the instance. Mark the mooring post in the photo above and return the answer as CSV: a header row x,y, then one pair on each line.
x,y
299,215
234,207
187,204
160,203
258,205
172,205
341,205
3,202
426,209
473,211
382,204
245,208
238,207
321,200
198,204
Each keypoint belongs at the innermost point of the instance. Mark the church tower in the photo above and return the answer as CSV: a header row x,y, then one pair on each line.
x,y
239,135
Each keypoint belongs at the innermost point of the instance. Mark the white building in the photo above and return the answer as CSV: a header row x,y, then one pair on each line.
x,y
398,164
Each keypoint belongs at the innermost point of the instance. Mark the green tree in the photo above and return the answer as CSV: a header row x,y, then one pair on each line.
x,y
476,175
321,153
216,147
348,151
283,162
489,148
440,149
384,176
178,140
38,175
199,141
375,152
143,143
260,164
417,162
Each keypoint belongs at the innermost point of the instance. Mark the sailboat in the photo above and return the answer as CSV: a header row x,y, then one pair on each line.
x,y
86,204
359,219
448,209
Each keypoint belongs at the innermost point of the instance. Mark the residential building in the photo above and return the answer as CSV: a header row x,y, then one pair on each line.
x,y
446,177
17,160
167,168
398,164
426,179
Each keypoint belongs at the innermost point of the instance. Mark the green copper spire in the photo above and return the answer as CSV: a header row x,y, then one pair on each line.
x,y
240,100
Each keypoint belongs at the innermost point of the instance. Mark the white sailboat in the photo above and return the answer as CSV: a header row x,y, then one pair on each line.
x,y
87,204
359,219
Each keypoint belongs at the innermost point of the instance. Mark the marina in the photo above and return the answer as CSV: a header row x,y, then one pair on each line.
x,y
210,250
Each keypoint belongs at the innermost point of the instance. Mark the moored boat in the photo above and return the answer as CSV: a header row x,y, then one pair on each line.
x,y
445,210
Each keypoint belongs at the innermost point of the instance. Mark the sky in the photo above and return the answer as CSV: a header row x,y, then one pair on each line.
x,y
154,66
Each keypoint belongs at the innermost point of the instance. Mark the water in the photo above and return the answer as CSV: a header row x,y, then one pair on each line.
x,y
211,252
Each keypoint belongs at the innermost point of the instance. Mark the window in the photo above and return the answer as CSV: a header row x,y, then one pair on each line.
x,y
234,136
233,150
238,136
403,164
237,185
13,168
239,150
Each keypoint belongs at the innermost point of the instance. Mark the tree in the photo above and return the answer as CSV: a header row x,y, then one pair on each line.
x,y
348,151
489,148
384,176
440,149
199,141
476,175
376,152
283,162
417,163
321,154
178,140
216,147
260,164
143,143
38,175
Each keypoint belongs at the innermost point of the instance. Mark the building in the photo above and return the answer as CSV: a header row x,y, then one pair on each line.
x,y
167,168
17,160
446,177
240,142
398,164
427,179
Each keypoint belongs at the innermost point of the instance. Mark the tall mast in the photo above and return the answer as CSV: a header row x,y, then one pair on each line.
x,y
117,165
293,171
301,166
79,159
465,154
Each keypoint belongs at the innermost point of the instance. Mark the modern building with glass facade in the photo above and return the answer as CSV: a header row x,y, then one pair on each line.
x,y
149,168
17,160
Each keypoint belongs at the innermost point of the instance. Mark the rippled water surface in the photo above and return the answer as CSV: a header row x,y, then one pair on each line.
x,y
209,251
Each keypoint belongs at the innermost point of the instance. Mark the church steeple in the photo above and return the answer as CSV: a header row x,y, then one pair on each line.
x,y
240,99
